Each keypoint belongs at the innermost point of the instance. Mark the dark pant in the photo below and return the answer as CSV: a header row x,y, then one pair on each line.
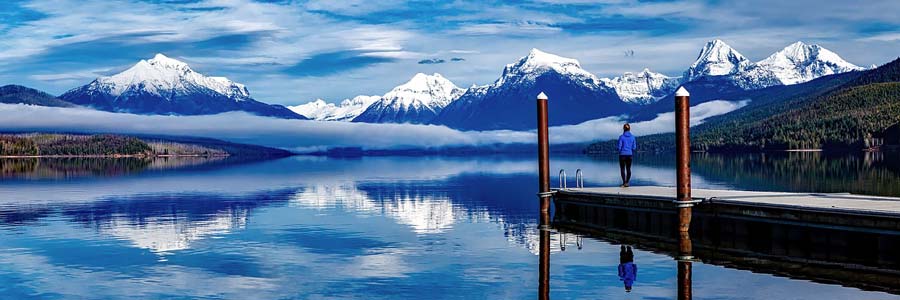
x,y
625,168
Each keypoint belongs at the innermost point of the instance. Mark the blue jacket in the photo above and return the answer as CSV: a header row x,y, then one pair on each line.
x,y
627,144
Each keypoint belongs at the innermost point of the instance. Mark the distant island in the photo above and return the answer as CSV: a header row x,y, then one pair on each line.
x,y
114,145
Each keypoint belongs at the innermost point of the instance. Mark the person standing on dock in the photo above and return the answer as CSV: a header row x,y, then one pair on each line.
x,y
626,146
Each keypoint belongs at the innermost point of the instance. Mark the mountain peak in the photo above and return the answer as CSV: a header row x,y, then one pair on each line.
x,y
538,62
715,43
163,85
422,78
799,51
164,61
347,110
716,59
422,89
417,101
537,58
642,88
798,44
168,77
422,82
801,62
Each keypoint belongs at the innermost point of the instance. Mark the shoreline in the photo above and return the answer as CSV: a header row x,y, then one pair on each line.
x,y
114,156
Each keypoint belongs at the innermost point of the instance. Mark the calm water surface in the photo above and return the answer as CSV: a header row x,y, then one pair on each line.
x,y
363,228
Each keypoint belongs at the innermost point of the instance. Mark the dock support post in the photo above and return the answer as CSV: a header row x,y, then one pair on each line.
x,y
544,195
683,157
543,152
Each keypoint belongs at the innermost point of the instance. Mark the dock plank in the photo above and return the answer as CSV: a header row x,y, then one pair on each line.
x,y
830,202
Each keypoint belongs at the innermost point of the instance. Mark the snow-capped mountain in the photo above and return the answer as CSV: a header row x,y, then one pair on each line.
x,y
417,101
720,72
538,62
163,85
642,88
508,103
797,63
347,110
716,59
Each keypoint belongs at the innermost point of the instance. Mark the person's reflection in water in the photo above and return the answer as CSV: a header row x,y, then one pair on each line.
x,y
627,268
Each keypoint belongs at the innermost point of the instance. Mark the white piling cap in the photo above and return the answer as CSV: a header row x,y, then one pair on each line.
x,y
542,96
682,92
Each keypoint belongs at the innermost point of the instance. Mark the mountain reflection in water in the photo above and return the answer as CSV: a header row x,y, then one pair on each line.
x,y
315,227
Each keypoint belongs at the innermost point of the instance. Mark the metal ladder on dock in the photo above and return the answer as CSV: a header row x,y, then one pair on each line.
x,y
563,180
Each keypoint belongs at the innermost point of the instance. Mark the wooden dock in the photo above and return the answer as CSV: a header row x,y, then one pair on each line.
x,y
815,209
843,239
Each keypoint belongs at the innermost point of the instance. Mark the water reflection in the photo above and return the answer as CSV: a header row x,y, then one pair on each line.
x,y
544,256
425,213
869,173
443,228
685,262
167,223
627,269
30,168
56,168
830,254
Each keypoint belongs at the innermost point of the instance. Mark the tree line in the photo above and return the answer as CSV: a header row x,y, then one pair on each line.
x,y
94,145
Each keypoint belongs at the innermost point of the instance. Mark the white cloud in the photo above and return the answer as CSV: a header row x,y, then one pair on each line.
x,y
306,135
491,34
507,29
611,127
82,75
885,37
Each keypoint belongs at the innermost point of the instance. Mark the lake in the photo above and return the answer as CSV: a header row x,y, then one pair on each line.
x,y
370,228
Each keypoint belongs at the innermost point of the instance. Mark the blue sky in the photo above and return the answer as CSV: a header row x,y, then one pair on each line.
x,y
291,52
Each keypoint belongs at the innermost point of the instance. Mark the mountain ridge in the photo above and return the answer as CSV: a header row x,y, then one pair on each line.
x,y
17,94
164,85
577,96
718,71
833,112
417,101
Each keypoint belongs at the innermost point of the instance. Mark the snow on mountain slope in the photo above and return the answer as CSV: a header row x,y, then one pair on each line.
x,y
347,110
642,88
166,77
798,63
416,101
538,62
576,96
716,59
163,85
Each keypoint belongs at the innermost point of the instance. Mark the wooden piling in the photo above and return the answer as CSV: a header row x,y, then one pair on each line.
x,y
544,195
683,158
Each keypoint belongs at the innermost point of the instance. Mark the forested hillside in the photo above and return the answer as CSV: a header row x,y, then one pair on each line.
x,y
842,120
839,112
17,94
70,145
36,144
